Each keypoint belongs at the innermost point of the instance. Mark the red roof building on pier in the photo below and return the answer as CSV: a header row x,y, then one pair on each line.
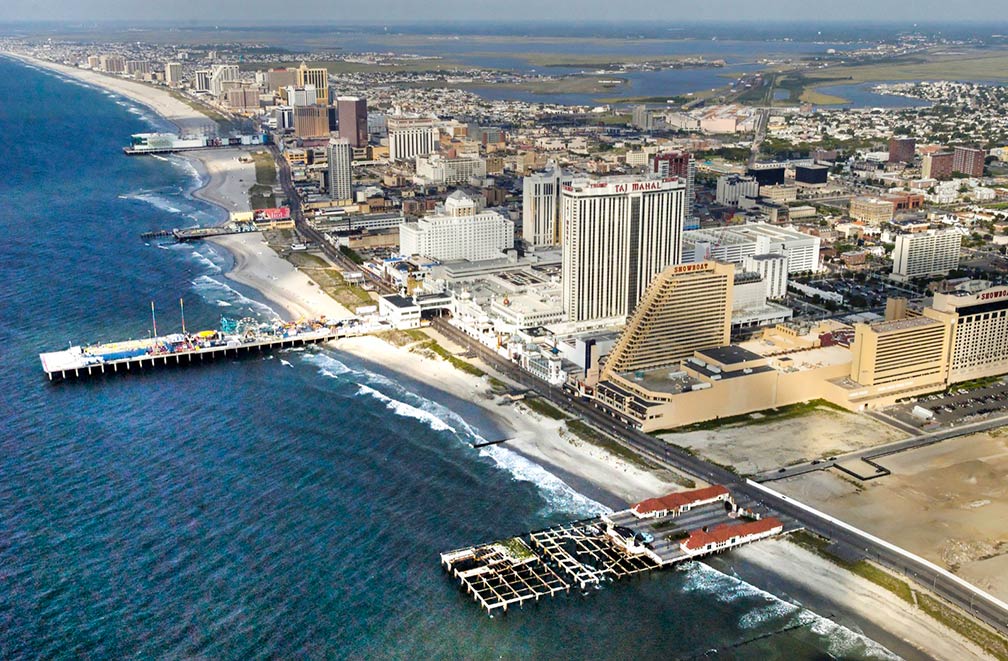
x,y
681,501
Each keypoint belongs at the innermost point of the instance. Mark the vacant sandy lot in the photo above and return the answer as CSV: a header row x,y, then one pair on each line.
x,y
947,502
758,447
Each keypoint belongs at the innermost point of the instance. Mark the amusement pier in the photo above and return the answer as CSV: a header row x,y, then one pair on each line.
x,y
657,533
233,338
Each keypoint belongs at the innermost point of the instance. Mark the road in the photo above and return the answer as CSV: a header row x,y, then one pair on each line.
x,y
981,605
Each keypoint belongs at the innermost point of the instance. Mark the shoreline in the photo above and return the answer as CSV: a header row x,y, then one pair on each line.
x,y
581,466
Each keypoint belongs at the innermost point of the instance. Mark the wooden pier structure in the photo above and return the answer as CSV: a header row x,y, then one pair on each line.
x,y
610,547
74,363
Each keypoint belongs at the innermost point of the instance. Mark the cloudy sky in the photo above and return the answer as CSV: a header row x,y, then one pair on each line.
x,y
398,11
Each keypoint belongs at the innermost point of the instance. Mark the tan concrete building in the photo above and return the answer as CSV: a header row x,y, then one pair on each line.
x,y
686,308
871,210
319,77
311,122
906,354
979,332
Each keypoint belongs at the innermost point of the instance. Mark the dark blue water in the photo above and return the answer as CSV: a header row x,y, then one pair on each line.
x,y
288,507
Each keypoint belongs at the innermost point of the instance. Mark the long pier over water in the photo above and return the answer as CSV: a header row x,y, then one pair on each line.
x,y
654,534
187,348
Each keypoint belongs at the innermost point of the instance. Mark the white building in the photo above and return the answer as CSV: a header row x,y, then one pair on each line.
x,y
618,233
935,252
411,136
773,268
458,230
220,74
541,224
173,73
731,188
437,169
340,170
735,243
300,97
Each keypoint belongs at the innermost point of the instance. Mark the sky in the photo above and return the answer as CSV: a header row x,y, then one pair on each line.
x,y
399,11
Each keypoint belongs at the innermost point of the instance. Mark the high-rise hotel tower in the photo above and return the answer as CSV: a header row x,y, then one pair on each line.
x,y
618,234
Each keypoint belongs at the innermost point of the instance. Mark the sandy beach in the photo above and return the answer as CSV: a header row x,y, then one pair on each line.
x,y
228,179
613,481
259,267
187,119
596,472
859,597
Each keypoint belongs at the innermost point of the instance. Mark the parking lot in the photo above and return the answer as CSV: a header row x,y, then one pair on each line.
x,y
957,406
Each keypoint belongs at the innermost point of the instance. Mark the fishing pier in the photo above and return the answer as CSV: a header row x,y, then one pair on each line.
x,y
651,535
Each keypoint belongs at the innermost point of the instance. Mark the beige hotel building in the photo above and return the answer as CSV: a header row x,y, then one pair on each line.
x,y
958,337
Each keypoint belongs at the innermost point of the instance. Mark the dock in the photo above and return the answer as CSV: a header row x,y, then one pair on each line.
x,y
234,339
197,233
653,535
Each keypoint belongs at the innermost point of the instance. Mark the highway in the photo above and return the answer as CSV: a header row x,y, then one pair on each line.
x,y
967,598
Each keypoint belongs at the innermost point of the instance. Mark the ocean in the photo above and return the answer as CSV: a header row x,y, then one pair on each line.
x,y
288,506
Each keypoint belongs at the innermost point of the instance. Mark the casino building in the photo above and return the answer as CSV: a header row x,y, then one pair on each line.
x,y
618,234
979,332
957,337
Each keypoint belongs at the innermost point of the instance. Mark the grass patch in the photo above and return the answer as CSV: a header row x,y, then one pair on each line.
x,y
758,418
498,385
610,445
402,338
265,168
516,548
351,254
261,197
990,641
330,280
544,408
614,119
454,360
863,568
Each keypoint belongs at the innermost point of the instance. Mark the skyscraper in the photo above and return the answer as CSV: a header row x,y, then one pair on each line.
x,y
618,233
541,205
937,165
220,74
901,150
173,73
683,165
686,308
319,77
353,120
340,171
311,122
411,136
968,161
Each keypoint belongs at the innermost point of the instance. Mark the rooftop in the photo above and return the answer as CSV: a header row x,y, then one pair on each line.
x,y
731,354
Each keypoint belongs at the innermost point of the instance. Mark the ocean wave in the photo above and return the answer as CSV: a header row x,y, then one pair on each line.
x,y
206,260
153,199
327,365
407,411
218,293
559,496
842,642
184,164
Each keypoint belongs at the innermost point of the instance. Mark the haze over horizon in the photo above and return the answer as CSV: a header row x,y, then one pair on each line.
x,y
400,11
